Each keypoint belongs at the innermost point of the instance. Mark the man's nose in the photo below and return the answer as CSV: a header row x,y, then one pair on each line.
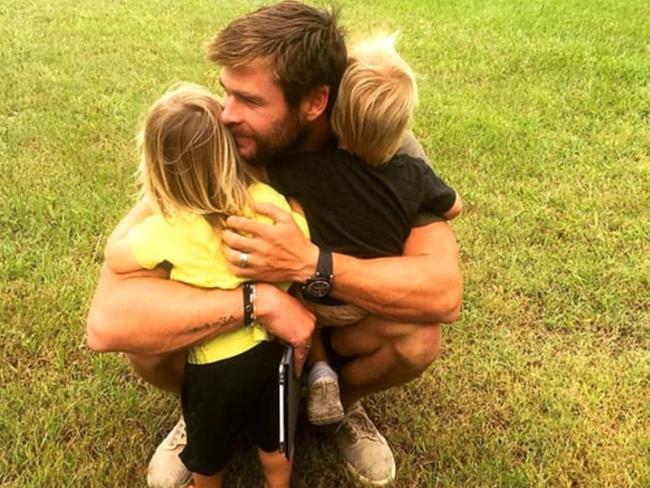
x,y
230,114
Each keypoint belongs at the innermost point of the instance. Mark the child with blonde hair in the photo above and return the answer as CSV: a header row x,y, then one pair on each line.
x,y
362,197
193,180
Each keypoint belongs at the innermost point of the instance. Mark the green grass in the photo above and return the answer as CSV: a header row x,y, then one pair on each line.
x,y
538,112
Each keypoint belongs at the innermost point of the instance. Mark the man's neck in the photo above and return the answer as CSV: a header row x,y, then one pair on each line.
x,y
318,134
316,138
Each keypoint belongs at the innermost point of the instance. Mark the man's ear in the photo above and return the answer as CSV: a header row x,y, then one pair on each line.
x,y
313,104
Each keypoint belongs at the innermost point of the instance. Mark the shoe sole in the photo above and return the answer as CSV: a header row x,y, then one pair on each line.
x,y
368,482
326,420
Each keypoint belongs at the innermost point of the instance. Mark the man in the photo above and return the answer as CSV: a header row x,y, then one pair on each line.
x,y
281,67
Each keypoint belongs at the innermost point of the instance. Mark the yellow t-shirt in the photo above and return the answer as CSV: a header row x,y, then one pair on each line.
x,y
193,247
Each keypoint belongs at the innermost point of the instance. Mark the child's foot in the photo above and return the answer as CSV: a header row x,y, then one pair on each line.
x,y
324,401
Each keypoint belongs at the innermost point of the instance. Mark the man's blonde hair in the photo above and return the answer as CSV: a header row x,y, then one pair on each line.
x,y
189,161
376,101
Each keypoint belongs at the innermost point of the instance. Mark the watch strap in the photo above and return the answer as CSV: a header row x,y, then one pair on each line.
x,y
319,285
325,264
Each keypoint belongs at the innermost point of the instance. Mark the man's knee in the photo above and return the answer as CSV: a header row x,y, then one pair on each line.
x,y
415,352
162,371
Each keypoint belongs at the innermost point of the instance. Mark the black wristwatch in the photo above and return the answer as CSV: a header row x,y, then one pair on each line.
x,y
320,284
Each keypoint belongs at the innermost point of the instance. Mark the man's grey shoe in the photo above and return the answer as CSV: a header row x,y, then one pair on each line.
x,y
365,451
166,470
324,401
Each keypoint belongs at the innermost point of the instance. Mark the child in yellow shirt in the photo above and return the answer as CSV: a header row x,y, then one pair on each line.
x,y
192,177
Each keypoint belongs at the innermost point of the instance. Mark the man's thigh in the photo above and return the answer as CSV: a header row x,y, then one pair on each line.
x,y
164,371
416,343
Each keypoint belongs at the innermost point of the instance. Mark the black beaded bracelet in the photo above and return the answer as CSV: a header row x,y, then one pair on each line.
x,y
249,303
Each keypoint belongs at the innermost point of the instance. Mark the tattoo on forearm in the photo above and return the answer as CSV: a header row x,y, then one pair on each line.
x,y
219,324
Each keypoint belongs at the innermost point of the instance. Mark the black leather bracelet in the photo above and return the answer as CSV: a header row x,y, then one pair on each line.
x,y
248,289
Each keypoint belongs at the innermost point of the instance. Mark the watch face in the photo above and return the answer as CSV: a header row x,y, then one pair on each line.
x,y
318,287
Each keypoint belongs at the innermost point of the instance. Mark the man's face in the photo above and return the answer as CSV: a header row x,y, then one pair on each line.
x,y
257,113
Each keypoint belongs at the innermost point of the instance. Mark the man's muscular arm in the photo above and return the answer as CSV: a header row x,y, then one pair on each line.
x,y
423,285
143,312
146,313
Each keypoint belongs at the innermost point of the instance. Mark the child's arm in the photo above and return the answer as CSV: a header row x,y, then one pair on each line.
x,y
455,209
137,214
119,256
438,196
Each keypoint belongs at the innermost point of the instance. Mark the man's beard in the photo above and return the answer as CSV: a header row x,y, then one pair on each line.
x,y
287,136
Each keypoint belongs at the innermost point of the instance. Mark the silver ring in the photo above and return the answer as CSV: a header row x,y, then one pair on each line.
x,y
243,259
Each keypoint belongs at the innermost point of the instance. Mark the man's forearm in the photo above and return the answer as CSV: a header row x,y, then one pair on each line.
x,y
148,314
423,285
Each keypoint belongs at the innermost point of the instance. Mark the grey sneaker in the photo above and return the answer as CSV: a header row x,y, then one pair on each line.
x,y
324,401
166,470
365,451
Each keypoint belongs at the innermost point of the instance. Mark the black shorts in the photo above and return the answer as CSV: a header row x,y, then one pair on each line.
x,y
225,399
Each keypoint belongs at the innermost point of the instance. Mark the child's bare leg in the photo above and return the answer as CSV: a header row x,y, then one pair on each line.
x,y
202,481
317,351
324,401
276,468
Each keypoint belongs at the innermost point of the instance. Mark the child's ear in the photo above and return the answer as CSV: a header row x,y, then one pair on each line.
x,y
313,105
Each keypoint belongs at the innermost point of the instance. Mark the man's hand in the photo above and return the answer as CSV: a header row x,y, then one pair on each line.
x,y
287,319
277,252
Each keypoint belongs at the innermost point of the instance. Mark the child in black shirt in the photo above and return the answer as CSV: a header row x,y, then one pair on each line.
x,y
361,198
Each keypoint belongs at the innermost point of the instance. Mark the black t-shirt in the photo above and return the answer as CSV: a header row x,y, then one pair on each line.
x,y
357,210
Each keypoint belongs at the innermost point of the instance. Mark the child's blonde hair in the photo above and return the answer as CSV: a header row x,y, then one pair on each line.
x,y
375,102
189,161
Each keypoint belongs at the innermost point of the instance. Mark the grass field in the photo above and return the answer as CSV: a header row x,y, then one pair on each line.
x,y
537,111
